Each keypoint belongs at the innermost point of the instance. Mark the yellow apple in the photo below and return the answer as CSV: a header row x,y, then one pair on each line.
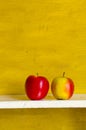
x,y
62,87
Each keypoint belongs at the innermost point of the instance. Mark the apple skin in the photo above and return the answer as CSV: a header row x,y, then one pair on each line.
x,y
62,88
36,87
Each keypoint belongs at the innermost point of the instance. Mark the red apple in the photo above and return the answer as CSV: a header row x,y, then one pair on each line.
x,y
62,87
36,87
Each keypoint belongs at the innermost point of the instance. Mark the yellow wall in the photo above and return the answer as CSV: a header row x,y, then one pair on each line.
x,y
46,37
42,36
43,119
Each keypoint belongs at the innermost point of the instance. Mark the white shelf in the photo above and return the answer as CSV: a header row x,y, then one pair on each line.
x,y
21,101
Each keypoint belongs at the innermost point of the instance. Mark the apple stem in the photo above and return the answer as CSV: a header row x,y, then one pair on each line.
x,y
37,74
63,74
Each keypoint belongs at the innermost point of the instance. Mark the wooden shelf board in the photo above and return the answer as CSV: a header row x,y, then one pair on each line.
x,y
21,101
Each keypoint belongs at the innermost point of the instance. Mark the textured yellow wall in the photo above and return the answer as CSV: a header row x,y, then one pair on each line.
x,y
42,36
46,37
43,119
